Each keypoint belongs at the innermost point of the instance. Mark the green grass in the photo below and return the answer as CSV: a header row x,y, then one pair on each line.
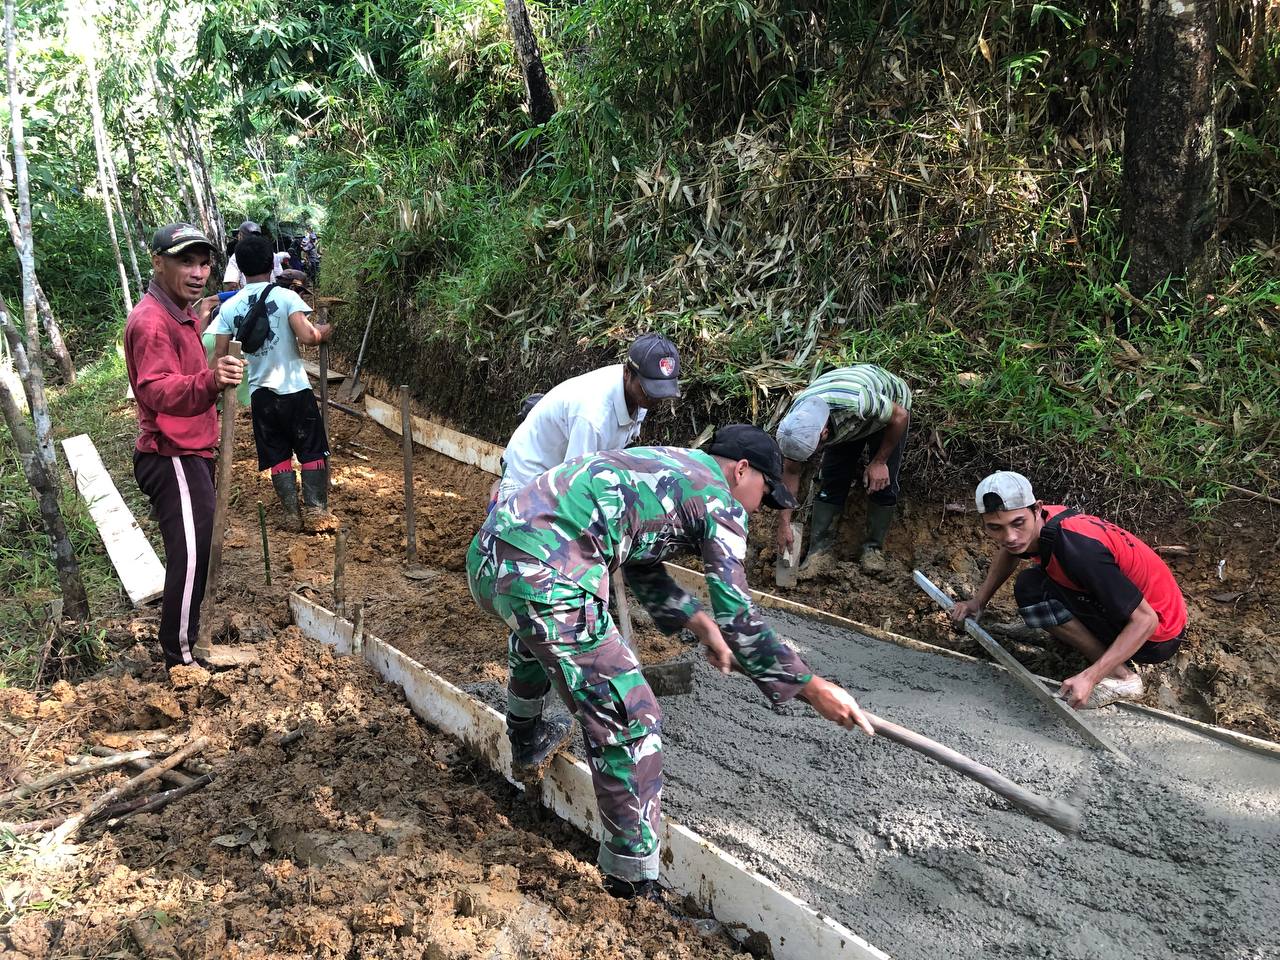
x,y
28,580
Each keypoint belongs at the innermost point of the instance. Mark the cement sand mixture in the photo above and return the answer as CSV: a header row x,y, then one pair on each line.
x,y
1178,856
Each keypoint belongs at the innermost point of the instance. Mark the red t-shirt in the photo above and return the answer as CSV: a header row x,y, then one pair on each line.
x,y
1095,557
172,383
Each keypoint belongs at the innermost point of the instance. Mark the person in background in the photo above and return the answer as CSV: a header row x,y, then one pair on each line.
x,y
176,391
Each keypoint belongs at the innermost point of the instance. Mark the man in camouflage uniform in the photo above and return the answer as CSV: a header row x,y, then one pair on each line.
x,y
542,562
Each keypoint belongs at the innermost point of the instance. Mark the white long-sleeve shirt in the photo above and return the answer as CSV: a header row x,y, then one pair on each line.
x,y
583,415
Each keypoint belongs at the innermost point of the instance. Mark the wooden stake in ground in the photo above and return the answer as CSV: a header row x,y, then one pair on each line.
x,y
323,314
69,829
266,547
1057,813
340,571
1019,672
225,453
406,434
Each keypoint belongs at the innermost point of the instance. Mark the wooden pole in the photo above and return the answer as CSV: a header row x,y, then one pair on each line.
x,y
619,589
1019,672
1057,813
266,547
406,434
340,571
225,453
357,630
323,311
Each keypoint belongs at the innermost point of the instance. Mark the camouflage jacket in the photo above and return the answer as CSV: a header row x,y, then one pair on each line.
x,y
635,508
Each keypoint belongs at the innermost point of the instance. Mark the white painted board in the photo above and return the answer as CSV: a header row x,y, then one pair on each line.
x,y
479,453
691,864
136,563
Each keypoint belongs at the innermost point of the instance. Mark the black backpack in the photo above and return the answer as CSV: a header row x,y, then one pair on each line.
x,y
252,329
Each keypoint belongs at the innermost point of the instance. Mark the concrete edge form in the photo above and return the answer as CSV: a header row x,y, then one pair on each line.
x,y
487,456
433,436
135,561
720,883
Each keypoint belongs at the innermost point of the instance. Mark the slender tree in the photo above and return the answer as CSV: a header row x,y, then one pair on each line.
x,y
43,479
1170,152
100,148
57,345
26,248
542,102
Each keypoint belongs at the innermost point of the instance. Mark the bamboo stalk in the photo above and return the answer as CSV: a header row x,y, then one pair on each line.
x,y
157,800
222,494
73,772
171,776
73,824
340,571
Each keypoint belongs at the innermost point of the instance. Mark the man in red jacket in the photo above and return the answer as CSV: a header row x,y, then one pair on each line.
x,y
176,391
1092,585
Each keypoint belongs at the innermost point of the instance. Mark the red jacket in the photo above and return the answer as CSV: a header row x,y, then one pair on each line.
x,y
172,383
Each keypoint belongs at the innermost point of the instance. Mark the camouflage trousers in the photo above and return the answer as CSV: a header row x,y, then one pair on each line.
x,y
563,637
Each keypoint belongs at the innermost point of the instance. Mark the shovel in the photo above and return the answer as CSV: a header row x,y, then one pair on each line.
x,y
671,679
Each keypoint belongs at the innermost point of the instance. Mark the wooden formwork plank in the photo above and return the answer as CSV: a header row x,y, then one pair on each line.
x,y
136,563
692,865
478,453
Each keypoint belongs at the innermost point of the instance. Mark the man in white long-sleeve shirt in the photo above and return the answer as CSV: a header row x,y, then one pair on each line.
x,y
600,410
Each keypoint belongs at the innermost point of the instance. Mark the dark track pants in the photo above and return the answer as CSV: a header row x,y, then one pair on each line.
x,y
842,468
181,492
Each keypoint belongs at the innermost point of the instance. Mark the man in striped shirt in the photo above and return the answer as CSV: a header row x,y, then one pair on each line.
x,y
842,414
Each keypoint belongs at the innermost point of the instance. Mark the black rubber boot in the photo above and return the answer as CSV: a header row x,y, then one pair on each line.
x,y
879,517
315,501
633,889
286,487
825,521
535,744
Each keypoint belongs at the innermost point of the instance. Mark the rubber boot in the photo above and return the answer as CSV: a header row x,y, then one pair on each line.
x,y
879,517
286,487
825,519
632,889
535,744
315,501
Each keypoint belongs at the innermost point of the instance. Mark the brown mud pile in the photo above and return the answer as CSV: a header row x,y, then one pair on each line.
x,y
371,835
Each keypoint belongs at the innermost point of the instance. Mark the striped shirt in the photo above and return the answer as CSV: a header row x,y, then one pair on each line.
x,y
861,399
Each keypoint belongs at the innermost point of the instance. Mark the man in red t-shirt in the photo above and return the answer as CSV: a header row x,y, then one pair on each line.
x,y
1094,586
176,390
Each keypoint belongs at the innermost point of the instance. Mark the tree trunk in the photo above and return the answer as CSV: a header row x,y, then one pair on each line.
x,y
193,212
32,377
114,181
104,185
57,345
215,231
542,102
26,248
1170,151
43,480
141,209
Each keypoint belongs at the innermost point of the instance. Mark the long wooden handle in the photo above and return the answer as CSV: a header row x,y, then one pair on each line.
x,y
1058,814
225,453
619,590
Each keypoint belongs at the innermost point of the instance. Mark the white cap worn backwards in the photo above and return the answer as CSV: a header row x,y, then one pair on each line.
x,y
801,429
1005,490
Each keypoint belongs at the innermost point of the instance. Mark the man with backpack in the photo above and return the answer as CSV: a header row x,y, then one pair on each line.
x,y
1092,585
270,321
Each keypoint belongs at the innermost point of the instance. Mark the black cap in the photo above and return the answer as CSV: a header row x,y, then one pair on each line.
x,y
742,441
248,227
173,238
528,403
654,359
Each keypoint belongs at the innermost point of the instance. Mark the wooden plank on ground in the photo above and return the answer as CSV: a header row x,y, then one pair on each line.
x,y
136,563
692,865
313,369
478,453
1020,673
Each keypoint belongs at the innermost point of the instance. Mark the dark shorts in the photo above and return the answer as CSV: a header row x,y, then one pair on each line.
x,y
1045,603
842,468
285,425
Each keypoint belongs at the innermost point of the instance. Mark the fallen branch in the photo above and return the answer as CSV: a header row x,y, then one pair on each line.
x,y
1252,493
72,772
73,824
158,800
172,776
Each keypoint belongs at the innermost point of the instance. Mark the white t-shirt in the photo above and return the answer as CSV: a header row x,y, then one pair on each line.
x,y
233,274
583,415
276,365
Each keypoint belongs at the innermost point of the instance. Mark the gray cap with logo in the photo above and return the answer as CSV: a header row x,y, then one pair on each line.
x,y
800,431
654,359
1004,490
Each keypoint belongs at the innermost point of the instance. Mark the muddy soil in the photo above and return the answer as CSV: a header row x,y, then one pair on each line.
x,y
369,836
